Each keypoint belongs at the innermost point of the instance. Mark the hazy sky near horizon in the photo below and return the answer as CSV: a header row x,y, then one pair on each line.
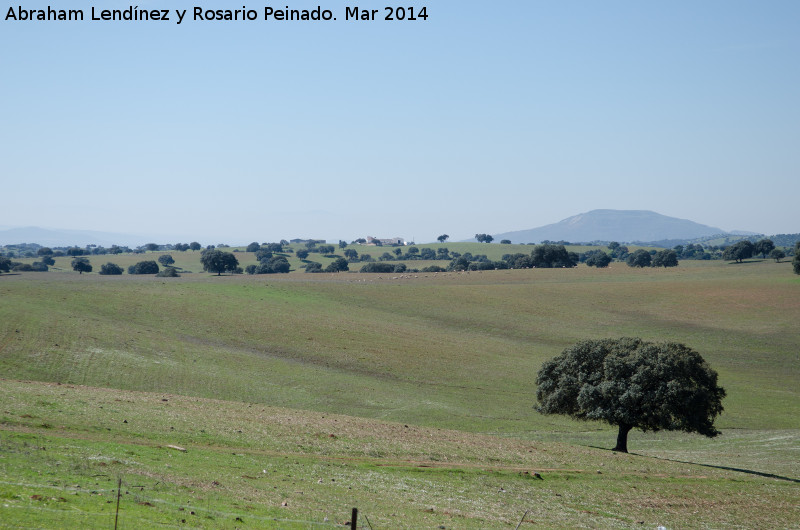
x,y
488,117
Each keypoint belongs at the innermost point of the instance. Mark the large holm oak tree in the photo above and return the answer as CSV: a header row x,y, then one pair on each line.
x,y
631,384
218,261
81,265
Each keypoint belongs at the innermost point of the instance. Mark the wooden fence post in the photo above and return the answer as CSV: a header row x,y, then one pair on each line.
x,y
119,493
354,519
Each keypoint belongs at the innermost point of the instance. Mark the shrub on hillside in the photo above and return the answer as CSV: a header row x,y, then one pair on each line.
x,y
377,266
110,269
313,266
168,272
144,267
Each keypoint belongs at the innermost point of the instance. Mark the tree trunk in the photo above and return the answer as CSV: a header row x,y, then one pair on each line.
x,y
622,438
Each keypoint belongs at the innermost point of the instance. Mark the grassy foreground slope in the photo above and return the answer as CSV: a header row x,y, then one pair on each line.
x,y
213,464
457,351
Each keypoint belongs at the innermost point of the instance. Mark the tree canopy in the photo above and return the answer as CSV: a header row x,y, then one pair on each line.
x,y
144,267
110,269
442,238
665,258
640,258
81,265
337,265
313,266
484,238
739,251
166,260
597,258
777,254
764,247
553,256
168,272
631,383
218,261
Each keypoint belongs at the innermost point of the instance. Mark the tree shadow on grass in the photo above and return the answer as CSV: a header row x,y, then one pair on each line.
x,y
726,468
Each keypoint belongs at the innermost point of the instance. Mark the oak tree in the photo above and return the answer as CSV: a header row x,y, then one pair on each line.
x,y
631,384
81,265
218,261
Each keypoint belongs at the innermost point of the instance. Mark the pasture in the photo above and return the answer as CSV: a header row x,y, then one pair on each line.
x,y
452,356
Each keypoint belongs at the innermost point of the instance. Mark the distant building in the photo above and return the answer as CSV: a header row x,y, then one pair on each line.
x,y
393,241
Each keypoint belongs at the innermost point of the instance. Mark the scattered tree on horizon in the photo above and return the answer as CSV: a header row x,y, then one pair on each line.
x,y
505,241
764,247
110,269
275,265
218,261
665,258
630,383
152,247
144,267
39,266
553,256
378,267
777,254
598,259
337,265
81,265
253,247
263,254
194,245
640,258
484,238
442,238
314,266
739,251
168,272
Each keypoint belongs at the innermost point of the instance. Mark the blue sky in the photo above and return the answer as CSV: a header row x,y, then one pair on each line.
x,y
488,117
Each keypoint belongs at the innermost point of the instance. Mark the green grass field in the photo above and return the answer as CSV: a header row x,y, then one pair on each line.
x,y
452,356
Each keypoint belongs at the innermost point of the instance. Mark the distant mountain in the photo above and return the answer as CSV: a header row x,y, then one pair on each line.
x,y
67,238
624,226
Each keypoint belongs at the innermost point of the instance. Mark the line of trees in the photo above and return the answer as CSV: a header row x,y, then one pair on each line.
x,y
272,258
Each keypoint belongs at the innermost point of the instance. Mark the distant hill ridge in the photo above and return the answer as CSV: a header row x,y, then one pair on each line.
x,y
67,238
624,226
